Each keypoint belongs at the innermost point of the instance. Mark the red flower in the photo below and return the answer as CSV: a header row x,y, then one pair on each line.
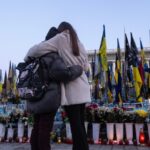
x,y
92,106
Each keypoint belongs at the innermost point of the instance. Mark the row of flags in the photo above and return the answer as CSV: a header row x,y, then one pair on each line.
x,y
8,90
130,71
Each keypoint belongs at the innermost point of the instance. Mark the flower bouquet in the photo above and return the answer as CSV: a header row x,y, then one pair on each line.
x,y
91,112
139,120
92,116
140,116
114,116
101,114
110,117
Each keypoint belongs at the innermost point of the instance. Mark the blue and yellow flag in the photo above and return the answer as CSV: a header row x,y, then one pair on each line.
x,y
142,54
109,92
118,80
9,78
137,83
118,61
14,79
96,65
102,51
136,74
4,86
119,56
118,97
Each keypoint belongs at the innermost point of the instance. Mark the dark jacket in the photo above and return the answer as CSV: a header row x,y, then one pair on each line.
x,y
55,71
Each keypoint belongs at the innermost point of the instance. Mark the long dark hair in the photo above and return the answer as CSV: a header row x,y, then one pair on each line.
x,y
51,33
73,36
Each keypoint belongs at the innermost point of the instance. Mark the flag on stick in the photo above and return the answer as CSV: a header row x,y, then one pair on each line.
x,y
118,79
119,56
110,97
142,54
102,51
96,64
136,74
128,56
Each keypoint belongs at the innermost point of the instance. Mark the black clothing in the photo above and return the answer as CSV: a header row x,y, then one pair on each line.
x,y
75,114
55,71
40,136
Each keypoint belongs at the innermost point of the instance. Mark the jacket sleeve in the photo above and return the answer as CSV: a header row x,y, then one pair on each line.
x,y
44,47
61,73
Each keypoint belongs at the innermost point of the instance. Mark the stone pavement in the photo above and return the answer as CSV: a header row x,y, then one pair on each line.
x,y
17,146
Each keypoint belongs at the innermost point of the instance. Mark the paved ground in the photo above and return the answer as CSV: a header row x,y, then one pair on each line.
x,y
16,146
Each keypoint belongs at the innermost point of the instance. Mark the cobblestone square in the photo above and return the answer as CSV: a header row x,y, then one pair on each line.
x,y
17,146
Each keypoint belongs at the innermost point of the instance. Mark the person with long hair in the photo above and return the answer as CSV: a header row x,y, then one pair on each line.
x,y
74,94
44,110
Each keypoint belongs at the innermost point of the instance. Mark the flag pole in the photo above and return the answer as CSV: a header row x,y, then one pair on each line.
x,y
125,72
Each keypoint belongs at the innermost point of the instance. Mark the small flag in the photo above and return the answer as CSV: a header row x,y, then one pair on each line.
x,y
102,51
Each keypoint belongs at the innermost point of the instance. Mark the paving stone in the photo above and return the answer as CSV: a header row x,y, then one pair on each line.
x,y
130,147
26,146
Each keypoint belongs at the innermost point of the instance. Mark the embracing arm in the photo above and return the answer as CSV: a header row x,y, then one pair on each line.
x,y
60,72
44,47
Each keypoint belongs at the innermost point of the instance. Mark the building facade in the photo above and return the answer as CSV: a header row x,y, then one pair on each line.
x,y
111,55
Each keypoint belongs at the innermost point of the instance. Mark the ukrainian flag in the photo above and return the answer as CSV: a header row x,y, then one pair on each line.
x,y
136,74
137,83
109,92
118,79
102,51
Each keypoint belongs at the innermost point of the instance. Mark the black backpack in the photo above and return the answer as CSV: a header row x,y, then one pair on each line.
x,y
31,83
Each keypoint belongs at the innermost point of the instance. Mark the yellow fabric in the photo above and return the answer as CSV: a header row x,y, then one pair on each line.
x,y
117,71
119,57
103,54
118,68
120,99
110,97
137,83
118,65
0,87
116,76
